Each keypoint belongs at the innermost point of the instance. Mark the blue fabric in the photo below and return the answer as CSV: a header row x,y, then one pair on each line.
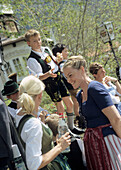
x,y
111,88
98,99
62,160
78,96
118,106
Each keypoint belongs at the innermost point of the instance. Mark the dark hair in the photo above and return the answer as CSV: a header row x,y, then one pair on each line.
x,y
58,48
94,67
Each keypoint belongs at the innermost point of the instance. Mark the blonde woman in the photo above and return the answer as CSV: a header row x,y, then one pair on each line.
x,y
35,135
102,138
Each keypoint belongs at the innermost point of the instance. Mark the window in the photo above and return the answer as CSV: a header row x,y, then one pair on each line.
x,y
18,67
25,61
8,68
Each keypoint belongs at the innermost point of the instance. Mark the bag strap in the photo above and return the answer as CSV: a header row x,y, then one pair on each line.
x,y
48,52
20,126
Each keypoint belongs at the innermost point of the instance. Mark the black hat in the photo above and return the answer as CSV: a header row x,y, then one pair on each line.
x,y
13,76
10,87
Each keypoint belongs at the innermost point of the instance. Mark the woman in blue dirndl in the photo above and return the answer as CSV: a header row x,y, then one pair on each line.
x,y
102,139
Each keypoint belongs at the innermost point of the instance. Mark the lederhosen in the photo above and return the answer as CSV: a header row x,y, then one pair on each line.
x,y
55,87
68,85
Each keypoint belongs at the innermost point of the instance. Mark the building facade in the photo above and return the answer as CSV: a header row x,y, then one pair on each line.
x,y
15,53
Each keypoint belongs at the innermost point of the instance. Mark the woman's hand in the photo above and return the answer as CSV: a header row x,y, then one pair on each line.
x,y
64,141
62,144
115,82
108,78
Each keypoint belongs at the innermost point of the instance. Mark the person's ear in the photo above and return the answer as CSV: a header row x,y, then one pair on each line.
x,y
28,42
94,75
40,96
8,97
82,68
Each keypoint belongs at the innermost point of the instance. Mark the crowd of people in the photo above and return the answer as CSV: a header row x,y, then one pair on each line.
x,y
96,103
103,136
44,64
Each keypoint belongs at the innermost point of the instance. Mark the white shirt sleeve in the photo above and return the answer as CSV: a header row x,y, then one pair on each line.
x,y
35,66
32,136
12,111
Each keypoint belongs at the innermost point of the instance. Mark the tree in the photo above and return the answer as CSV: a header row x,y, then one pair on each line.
x,y
74,23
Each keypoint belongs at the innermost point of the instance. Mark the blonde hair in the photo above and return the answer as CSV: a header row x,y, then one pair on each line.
x,y
75,62
31,33
29,88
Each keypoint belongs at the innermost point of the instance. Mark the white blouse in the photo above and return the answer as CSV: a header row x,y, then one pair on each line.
x,y
32,135
113,92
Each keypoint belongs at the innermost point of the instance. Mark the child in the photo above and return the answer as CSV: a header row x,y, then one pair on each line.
x,y
44,64
62,50
76,156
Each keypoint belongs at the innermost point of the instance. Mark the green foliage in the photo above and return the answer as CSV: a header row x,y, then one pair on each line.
x,y
47,103
74,23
